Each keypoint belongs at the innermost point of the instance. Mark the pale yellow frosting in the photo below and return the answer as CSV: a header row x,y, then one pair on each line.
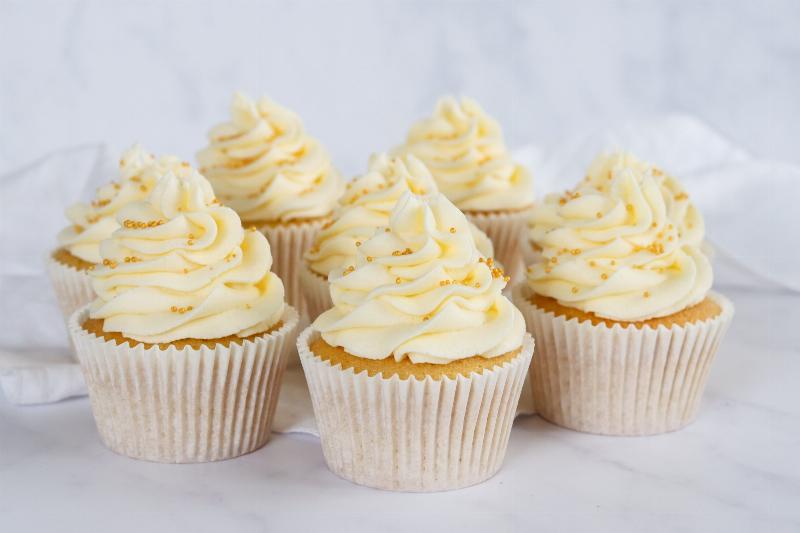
x,y
464,149
95,221
365,206
623,245
181,266
266,167
421,289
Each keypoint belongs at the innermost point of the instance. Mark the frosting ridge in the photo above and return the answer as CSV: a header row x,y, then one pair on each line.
x,y
623,245
181,266
95,221
464,149
366,205
421,289
266,167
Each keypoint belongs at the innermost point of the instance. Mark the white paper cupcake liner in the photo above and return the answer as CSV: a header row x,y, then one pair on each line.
x,y
288,243
73,287
316,292
507,231
188,405
620,380
410,434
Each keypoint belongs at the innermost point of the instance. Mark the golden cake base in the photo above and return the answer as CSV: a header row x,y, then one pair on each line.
x,y
404,369
705,310
63,256
95,327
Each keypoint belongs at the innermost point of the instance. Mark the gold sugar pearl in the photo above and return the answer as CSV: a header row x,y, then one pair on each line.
x,y
646,294
592,263
630,208
576,251
370,259
604,276
599,214
477,285
358,243
398,281
574,290
452,230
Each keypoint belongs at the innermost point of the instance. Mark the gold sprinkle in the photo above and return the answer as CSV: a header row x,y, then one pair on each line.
x,y
185,270
629,207
477,285
653,225
369,259
592,263
143,187
387,230
190,242
426,318
604,276
173,309
576,251
681,196
452,230
506,278
358,243
613,262
599,214
646,294
398,281
554,259
574,290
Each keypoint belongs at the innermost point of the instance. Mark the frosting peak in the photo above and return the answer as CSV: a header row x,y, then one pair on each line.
x,y
464,149
420,289
264,165
366,204
622,245
181,266
94,222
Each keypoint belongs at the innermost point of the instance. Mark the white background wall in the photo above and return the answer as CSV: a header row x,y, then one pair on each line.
x,y
358,72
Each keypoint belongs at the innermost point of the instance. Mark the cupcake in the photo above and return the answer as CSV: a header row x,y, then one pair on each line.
x,y
366,204
184,348
265,166
620,303
464,149
416,371
79,243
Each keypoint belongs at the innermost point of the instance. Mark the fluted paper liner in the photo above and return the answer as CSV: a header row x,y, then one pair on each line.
x,y
188,405
410,434
316,290
507,231
73,287
620,380
288,243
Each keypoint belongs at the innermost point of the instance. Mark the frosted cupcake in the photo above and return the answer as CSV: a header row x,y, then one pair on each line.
x,y
79,243
184,348
366,204
416,372
464,149
620,304
276,177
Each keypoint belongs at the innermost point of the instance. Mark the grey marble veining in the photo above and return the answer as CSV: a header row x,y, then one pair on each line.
x,y
735,469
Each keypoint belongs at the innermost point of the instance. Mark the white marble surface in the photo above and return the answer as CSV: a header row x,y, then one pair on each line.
x,y
735,469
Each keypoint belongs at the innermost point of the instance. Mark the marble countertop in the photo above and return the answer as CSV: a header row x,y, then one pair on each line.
x,y
735,469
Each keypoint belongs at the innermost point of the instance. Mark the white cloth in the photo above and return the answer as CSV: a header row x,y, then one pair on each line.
x,y
745,202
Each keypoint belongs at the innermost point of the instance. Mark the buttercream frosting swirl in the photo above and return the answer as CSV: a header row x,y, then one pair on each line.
x,y
366,205
623,245
420,289
464,149
181,266
93,222
266,167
